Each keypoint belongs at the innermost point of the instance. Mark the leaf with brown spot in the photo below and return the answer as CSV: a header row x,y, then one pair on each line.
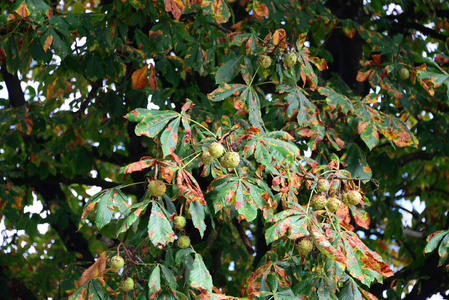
x,y
48,42
361,217
260,10
160,229
139,78
279,38
23,10
325,246
143,163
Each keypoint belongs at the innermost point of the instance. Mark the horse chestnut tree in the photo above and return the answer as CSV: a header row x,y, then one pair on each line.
x,y
244,149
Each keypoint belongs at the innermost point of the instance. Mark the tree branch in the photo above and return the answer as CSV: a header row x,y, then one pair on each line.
x,y
420,155
16,96
407,232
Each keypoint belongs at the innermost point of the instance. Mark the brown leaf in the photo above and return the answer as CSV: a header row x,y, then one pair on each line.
x,y
97,269
439,59
279,38
344,217
260,10
152,78
167,173
139,78
189,188
176,7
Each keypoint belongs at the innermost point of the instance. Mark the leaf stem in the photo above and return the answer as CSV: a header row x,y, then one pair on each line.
x,y
202,126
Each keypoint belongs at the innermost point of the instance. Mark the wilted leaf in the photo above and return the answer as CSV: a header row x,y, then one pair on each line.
x,y
176,7
95,270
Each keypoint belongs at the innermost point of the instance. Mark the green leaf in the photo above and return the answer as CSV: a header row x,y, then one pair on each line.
x,y
228,70
252,99
199,276
249,199
435,241
151,122
225,91
270,150
336,100
169,138
218,9
160,229
197,211
297,100
350,291
169,276
368,133
154,282
356,163
443,250
105,208
397,131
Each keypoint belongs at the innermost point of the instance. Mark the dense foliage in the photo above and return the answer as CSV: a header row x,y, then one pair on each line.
x,y
255,149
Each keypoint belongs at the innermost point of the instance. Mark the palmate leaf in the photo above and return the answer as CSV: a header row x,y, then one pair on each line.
x,y
169,277
325,246
112,200
434,240
268,149
363,263
169,138
189,188
152,122
292,221
248,199
242,194
252,99
304,59
199,276
440,238
224,186
298,103
336,100
350,291
228,70
160,229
